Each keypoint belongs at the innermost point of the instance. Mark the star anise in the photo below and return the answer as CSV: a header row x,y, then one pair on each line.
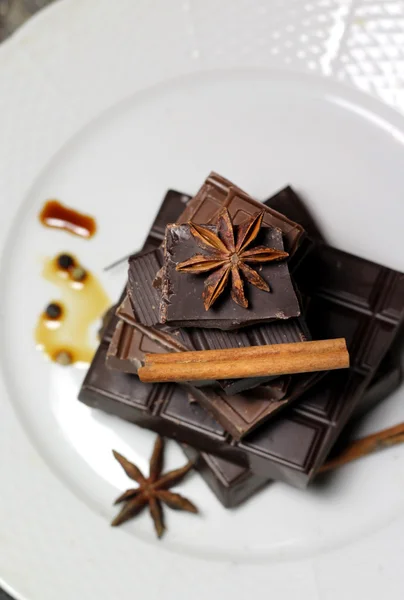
x,y
227,255
152,490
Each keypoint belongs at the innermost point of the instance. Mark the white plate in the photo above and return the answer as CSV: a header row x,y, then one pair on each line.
x,y
343,151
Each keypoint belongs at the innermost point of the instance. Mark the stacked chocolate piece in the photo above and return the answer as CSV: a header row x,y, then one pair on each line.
x,y
184,293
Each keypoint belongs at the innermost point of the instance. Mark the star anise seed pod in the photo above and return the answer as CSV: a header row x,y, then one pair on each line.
x,y
152,490
227,256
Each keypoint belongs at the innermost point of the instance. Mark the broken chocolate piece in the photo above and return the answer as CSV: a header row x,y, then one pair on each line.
x,y
217,193
182,293
183,339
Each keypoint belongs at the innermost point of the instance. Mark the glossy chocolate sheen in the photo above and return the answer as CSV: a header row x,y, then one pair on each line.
x,y
182,293
234,484
218,192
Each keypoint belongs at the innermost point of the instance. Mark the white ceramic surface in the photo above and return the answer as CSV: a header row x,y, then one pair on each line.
x,y
264,128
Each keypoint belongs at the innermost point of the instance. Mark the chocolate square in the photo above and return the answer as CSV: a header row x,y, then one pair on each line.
x,y
194,338
181,298
239,413
294,444
218,192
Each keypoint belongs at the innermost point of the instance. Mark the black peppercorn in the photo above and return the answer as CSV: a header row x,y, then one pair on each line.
x,y
65,261
53,310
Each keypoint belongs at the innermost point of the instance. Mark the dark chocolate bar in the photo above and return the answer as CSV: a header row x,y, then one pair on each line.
x,y
293,445
214,194
217,192
239,414
386,381
231,483
183,339
171,207
234,484
290,204
389,375
127,348
242,478
145,297
182,293
236,420
179,340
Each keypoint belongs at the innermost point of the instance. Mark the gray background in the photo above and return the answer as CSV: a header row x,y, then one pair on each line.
x,y
12,14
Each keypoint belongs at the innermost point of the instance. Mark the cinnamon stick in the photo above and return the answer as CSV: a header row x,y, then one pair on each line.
x,y
367,445
254,361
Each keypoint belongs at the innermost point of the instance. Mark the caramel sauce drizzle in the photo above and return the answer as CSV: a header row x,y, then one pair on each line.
x,y
66,338
58,216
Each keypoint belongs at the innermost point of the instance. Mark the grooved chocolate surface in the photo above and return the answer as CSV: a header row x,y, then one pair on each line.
x,y
240,413
195,338
165,408
293,445
218,192
182,293
231,483
387,379
144,297
127,348
389,375
189,339
290,204
173,204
